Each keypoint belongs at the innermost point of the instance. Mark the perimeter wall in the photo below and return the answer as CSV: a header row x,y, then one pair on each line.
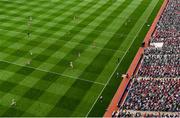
x,y
118,97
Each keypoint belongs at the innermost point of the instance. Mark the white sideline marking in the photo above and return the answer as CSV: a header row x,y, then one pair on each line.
x,y
64,75
114,70
106,83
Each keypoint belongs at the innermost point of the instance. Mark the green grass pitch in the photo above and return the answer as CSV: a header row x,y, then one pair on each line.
x,y
92,34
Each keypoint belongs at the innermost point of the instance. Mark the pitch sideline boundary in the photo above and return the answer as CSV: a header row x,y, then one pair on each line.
x,y
119,94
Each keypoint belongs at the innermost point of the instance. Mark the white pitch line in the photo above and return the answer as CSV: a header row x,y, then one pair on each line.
x,y
75,78
114,71
105,85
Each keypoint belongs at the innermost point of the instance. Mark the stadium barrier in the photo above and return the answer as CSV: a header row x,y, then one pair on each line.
x,y
118,97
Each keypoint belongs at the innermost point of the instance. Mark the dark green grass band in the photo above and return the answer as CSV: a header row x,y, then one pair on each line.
x,y
99,109
45,92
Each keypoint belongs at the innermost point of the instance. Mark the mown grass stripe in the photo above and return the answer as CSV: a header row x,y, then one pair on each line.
x,y
79,89
9,109
23,37
79,47
129,38
112,43
142,6
125,3
61,44
52,15
99,108
34,43
33,69
138,28
100,39
23,11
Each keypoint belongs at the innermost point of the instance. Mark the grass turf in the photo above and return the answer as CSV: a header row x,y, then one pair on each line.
x,y
101,31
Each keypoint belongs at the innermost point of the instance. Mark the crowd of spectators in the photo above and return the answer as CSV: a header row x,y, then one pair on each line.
x,y
162,51
167,65
149,94
156,86
152,94
164,61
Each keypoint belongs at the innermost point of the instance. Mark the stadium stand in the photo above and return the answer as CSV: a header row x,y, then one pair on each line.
x,y
154,90
152,94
